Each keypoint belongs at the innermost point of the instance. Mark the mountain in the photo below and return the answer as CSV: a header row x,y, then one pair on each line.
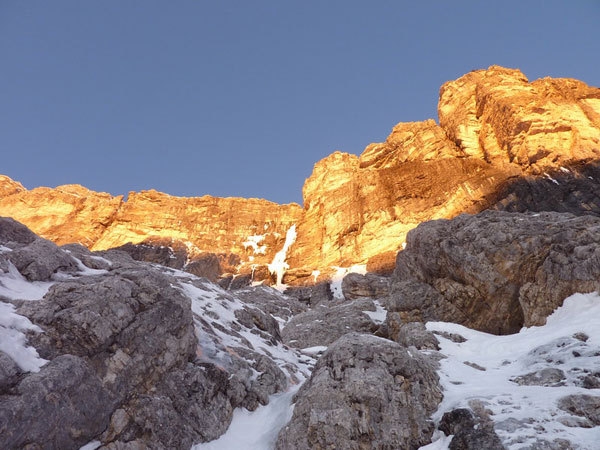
x,y
502,143
99,351
468,331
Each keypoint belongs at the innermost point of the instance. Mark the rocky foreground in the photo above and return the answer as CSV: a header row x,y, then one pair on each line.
x,y
502,143
102,351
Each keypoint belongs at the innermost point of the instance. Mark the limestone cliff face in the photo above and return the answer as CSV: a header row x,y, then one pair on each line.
x,y
502,143
66,214
495,128
252,229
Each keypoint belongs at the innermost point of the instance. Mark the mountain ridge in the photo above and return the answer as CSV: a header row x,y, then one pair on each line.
x,y
498,135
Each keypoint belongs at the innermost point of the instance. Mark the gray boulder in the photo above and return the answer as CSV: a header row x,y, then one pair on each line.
x,y
40,259
496,271
271,301
355,285
325,324
581,405
365,392
13,233
470,432
62,406
313,296
412,334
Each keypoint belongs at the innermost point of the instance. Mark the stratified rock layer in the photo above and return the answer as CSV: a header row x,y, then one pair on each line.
x,y
502,142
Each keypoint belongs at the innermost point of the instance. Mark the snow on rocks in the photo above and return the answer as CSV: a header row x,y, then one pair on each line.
x,y
531,383
13,341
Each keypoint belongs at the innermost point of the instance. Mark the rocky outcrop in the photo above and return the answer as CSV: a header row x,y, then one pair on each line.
x,y
355,285
495,271
126,352
175,230
470,432
323,325
365,392
502,142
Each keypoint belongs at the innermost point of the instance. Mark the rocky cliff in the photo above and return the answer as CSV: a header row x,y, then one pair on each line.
x,y
502,143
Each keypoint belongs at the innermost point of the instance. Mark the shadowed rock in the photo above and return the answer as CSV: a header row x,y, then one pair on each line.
x,y
495,271
365,392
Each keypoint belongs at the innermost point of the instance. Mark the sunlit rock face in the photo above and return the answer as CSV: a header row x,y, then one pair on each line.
x,y
502,143
66,214
253,229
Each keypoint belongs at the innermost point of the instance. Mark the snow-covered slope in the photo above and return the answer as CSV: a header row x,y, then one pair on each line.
x,y
518,380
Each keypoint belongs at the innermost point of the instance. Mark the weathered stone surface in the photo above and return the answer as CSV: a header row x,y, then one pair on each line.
x,y
550,376
325,324
412,334
496,271
498,115
13,232
62,406
270,301
166,252
470,433
318,294
586,406
135,352
355,285
9,186
365,392
40,259
9,372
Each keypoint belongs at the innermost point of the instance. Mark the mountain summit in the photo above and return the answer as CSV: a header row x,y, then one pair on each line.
x,y
502,143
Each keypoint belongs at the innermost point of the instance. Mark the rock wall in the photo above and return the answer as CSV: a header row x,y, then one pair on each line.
x,y
495,271
502,142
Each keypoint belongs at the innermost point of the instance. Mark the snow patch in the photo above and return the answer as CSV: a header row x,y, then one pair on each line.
x,y
519,411
439,441
85,270
315,274
253,242
340,273
91,445
256,430
279,264
316,350
13,340
378,316
550,178
15,286
214,309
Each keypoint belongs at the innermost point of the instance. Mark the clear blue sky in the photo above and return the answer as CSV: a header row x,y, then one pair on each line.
x,y
241,98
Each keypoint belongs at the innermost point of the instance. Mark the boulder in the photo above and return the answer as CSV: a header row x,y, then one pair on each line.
x,y
581,405
270,301
317,294
355,285
324,324
62,406
495,271
40,259
365,392
470,432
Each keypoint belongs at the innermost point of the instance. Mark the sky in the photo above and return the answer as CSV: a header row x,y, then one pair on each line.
x,y
241,98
